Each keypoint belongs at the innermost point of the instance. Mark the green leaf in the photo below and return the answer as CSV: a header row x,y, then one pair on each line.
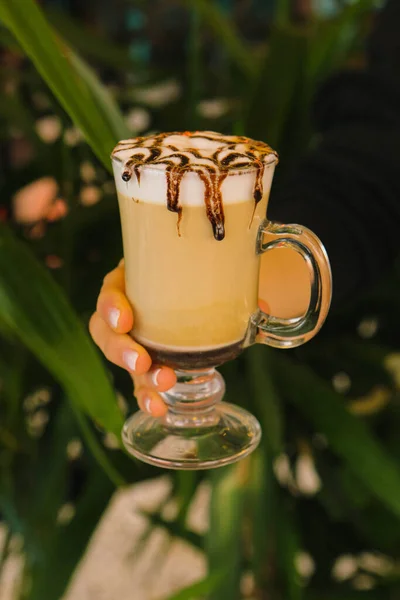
x,y
194,68
287,547
186,485
37,311
200,589
55,63
46,493
282,11
90,44
175,529
330,41
107,108
261,493
224,537
274,90
266,398
97,449
344,594
226,34
348,436
51,575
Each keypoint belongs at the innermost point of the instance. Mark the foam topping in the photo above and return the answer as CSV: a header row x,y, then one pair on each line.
x,y
212,156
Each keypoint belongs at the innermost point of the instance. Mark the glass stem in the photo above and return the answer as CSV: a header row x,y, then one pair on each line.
x,y
192,400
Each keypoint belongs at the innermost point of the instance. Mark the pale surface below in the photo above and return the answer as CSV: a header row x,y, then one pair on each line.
x,y
115,564
112,566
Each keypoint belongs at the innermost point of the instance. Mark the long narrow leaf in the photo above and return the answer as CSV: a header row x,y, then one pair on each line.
x,y
53,60
97,449
35,309
106,106
200,589
282,12
266,397
88,43
287,548
261,494
271,99
224,538
175,529
226,34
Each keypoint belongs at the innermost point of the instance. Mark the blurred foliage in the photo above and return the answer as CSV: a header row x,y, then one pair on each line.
x,y
326,481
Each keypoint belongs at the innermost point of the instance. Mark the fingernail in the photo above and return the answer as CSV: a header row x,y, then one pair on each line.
x,y
113,317
130,359
147,404
154,377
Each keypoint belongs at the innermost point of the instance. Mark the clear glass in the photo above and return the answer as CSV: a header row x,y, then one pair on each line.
x,y
195,303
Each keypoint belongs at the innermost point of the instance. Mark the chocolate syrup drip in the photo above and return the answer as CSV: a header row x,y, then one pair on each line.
x,y
212,180
212,170
174,174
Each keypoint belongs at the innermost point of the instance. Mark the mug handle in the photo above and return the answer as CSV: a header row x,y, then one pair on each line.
x,y
289,333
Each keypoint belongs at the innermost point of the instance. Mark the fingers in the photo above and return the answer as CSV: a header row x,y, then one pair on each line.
x,y
108,327
119,348
264,306
147,386
151,402
112,304
116,277
159,378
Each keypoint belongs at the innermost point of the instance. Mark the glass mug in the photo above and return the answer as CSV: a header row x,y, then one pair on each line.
x,y
192,276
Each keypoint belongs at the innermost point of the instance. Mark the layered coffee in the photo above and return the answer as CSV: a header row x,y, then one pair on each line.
x,y
192,271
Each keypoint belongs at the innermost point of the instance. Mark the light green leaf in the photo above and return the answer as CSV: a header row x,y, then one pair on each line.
x,y
288,546
89,44
331,40
200,589
261,492
224,537
194,68
225,32
35,309
97,449
55,62
283,9
106,106
186,485
275,88
175,529
266,397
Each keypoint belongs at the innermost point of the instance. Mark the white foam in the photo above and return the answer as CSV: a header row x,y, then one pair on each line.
x,y
237,187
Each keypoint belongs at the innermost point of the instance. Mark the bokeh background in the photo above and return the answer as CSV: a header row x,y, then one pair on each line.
x,y
314,514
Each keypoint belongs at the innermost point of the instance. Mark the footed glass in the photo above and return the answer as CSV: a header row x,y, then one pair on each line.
x,y
192,279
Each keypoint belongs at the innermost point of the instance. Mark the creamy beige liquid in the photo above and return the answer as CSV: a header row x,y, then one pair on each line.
x,y
190,292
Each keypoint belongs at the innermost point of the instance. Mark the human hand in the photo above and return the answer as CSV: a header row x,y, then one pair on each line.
x,y
109,327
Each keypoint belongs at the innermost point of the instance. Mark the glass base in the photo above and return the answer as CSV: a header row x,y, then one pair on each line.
x,y
233,435
198,431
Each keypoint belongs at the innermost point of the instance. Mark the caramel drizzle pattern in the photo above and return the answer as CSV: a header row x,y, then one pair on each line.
x,y
212,176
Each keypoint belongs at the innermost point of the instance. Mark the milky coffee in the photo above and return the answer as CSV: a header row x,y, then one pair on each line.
x,y
191,205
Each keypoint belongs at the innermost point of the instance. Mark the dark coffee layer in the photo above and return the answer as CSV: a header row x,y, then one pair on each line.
x,y
196,359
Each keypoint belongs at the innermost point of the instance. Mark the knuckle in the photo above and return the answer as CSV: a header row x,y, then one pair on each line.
x,y
92,327
107,347
107,279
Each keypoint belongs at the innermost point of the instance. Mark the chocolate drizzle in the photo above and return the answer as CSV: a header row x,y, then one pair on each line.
x,y
213,164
